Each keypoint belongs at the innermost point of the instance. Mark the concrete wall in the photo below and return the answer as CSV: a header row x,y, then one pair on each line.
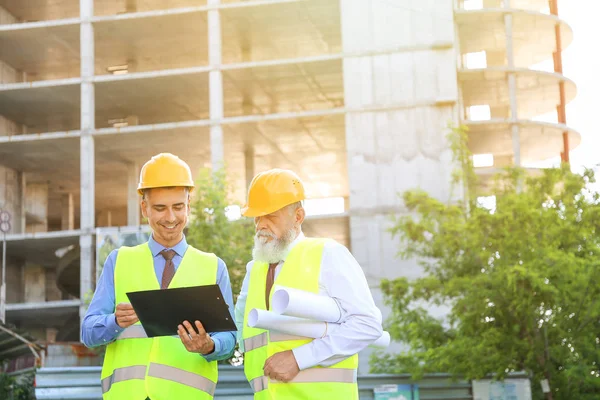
x,y
9,128
9,74
14,281
10,197
404,146
112,217
36,207
34,278
53,293
6,17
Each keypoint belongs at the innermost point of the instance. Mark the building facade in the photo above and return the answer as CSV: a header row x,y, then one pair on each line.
x,y
354,95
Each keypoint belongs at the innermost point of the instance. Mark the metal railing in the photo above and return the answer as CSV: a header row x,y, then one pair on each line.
x,y
83,383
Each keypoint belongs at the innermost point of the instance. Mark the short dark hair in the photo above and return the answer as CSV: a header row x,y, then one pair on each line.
x,y
144,191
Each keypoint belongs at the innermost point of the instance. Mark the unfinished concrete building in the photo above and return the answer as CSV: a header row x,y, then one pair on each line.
x,y
354,95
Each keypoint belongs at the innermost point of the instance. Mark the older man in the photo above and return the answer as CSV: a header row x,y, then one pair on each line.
x,y
283,367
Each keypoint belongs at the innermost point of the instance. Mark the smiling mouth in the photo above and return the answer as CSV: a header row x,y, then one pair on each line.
x,y
170,227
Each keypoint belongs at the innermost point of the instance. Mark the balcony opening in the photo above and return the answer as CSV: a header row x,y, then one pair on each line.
x,y
479,113
473,4
483,160
325,206
476,60
487,202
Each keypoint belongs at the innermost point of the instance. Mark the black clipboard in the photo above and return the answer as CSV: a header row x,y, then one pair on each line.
x,y
161,311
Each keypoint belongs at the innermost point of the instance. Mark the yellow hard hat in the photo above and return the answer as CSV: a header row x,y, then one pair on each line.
x,y
165,170
272,190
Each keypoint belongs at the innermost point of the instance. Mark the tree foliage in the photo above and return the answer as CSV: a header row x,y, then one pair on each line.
x,y
521,282
212,231
13,389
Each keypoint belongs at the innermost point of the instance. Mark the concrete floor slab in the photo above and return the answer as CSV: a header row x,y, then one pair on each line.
x,y
42,52
539,140
533,33
537,92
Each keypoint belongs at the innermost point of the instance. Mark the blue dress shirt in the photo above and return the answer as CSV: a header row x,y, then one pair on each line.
x,y
100,327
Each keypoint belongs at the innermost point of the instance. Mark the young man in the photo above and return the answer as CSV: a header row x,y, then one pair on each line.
x,y
137,367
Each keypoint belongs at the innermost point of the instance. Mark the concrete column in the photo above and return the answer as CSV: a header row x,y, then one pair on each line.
x,y
36,206
22,217
35,283
11,197
133,198
215,86
53,293
67,221
87,207
512,87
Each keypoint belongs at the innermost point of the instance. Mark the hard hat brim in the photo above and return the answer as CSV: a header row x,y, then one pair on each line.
x,y
255,212
185,185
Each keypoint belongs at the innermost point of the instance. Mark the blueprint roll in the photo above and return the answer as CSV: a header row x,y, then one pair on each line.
x,y
302,327
285,324
303,304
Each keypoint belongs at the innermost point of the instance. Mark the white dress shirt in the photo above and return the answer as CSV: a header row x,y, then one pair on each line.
x,y
344,280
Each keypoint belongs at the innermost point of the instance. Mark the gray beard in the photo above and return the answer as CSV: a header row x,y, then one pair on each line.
x,y
273,251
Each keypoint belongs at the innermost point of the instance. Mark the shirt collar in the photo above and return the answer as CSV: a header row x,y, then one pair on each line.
x,y
156,247
299,238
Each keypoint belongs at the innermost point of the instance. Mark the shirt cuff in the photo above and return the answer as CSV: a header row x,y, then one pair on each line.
x,y
112,324
112,328
304,356
214,356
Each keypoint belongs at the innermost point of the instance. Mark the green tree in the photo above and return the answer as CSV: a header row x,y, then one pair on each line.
x,y
521,281
211,230
11,389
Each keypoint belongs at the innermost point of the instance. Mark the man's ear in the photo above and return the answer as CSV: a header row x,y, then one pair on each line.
x,y
300,215
143,207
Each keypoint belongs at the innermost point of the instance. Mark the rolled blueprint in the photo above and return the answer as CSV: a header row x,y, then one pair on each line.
x,y
285,324
302,304
300,326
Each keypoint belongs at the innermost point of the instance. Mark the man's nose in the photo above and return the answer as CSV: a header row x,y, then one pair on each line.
x,y
170,215
259,223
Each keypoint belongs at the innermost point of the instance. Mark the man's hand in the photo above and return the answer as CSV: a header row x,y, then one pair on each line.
x,y
282,366
125,315
195,342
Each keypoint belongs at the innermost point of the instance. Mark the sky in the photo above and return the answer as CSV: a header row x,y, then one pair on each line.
x,y
581,63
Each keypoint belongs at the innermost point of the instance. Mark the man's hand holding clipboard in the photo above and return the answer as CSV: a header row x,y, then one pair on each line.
x,y
164,312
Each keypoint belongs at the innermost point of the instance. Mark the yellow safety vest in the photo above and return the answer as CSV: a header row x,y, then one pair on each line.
x,y
301,270
135,366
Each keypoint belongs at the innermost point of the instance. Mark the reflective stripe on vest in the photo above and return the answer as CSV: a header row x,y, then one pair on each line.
x,y
258,341
160,371
133,332
183,377
135,366
282,337
259,384
255,342
312,375
123,374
